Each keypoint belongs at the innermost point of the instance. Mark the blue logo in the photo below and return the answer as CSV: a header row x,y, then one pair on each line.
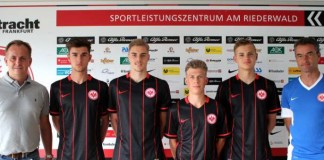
x,y
124,49
258,70
63,71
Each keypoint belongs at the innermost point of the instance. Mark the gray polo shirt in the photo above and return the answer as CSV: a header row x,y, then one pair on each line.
x,y
20,111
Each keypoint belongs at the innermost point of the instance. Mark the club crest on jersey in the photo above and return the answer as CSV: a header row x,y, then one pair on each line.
x,y
150,92
211,118
261,94
93,94
320,97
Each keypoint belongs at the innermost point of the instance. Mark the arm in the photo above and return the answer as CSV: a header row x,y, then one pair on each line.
x,y
104,126
173,147
114,121
56,122
288,124
46,134
271,121
163,116
220,144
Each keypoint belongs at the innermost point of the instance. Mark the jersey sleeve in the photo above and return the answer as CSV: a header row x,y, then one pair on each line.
x,y
223,127
54,106
273,98
164,96
172,122
286,111
112,92
222,98
45,97
104,98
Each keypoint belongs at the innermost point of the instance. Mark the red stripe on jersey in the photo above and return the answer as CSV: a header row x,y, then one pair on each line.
x,y
154,128
179,119
99,91
143,119
86,98
130,118
243,136
192,131
205,132
255,121
60,91
118,105
73,128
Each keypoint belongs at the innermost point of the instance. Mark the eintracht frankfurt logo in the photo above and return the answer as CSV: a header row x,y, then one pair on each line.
x,y
262,94
211,118
93,94
150,92
320,97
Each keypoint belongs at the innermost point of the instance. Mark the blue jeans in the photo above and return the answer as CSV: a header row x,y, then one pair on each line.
x,y
31,156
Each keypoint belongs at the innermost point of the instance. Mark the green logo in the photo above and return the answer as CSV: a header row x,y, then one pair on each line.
x,y
124,61
62,51
276,50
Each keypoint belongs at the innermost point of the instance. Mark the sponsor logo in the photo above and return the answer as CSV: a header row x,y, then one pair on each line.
x,y
261,94
189,59
211,91
234,95
186,91
211,118
62,61
64,95
230,61
152,60
62,51
124,49
214,71
175,92
254,39
213,60
124,61
121,92
106,61
203,39
161,39
124,71
279,81
319,40
320,97
182,121
107,71
93,95
153,50
293,98
292,60
232,50
107,50
150,92
282,40
276,71
214,81
273,133
213,50
192,50
63,71
171,50
321,60
110,133
293,70
171,71
64,40
276,50
258,70
276,60
232,71
171,60
24,26
116,40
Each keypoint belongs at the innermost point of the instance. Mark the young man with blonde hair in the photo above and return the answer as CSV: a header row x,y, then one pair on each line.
x,y
138,105
252,102
197,124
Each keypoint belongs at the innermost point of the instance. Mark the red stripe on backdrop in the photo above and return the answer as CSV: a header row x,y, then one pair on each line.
x,y
180,18
109,152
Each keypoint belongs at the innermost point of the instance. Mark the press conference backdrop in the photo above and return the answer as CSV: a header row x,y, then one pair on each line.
x,y
176,34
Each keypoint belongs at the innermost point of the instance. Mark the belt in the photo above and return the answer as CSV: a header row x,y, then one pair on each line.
x,y
21,154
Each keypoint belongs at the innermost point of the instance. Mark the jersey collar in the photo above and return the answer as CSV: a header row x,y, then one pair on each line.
x,y
238,78
147,75
89,77
206,99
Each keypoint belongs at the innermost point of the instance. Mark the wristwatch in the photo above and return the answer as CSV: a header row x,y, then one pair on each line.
x,y
49,156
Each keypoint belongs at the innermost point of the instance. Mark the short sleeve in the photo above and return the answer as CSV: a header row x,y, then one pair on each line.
x,y
172,122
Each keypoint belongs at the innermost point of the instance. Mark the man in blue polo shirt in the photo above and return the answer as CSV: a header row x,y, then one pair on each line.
x,y
303,104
